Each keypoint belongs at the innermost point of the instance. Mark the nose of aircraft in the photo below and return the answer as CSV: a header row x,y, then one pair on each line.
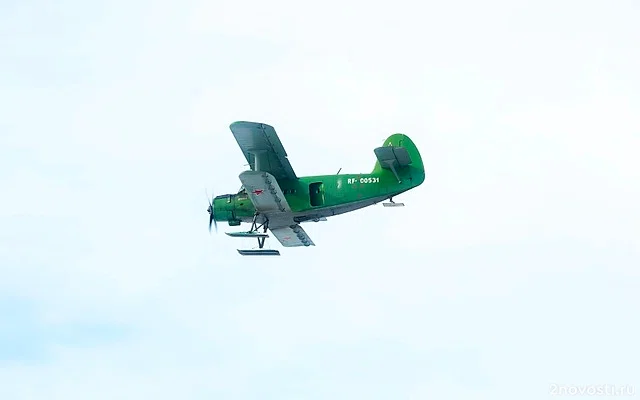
x,y
221,208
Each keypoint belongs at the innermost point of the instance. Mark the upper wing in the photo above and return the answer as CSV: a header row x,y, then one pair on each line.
x,y
259,142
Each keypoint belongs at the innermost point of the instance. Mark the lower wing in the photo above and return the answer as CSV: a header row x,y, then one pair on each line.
x,y
292,236
268,199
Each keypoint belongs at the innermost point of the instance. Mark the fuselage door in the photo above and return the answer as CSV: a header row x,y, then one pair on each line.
x,y
316,194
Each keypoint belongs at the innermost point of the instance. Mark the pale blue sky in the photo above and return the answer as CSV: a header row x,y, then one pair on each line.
x,y
513,267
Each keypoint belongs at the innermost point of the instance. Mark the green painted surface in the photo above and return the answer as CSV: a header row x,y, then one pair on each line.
x,y
310,194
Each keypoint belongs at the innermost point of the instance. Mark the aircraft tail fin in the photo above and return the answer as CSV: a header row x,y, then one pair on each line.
x,y
399,156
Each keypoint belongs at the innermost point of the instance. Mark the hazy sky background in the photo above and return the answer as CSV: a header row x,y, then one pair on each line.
x,y
513,267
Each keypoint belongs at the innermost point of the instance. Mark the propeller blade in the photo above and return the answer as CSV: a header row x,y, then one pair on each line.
x,y
215,223
210,210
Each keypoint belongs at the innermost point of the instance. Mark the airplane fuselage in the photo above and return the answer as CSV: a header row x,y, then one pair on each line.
x,y
321,196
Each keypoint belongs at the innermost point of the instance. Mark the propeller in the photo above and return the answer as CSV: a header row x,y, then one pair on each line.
x,y
210,210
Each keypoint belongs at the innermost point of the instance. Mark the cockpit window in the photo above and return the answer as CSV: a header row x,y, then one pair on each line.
x,y
242,194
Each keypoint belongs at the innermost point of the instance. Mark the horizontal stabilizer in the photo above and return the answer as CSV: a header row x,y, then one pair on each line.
x,y
392,156
247,234
260,252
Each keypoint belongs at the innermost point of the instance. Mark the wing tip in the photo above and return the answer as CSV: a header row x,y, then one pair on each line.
x,y
242,123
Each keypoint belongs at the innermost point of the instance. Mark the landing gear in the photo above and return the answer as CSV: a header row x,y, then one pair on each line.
x,y
261,236
392,203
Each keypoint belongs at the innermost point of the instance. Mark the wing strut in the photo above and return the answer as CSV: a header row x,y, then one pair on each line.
x,y
258,157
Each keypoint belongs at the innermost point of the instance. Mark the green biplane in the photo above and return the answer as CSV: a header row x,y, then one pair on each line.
x,y
274,198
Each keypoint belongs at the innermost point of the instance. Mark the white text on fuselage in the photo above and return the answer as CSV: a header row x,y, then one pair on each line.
x,y
370,179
